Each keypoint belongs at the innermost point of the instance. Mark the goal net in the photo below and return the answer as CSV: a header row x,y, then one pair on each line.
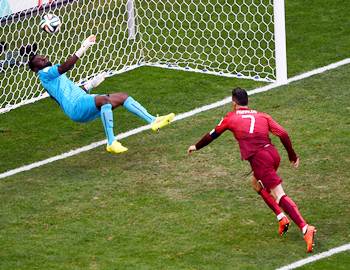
x,y
234,38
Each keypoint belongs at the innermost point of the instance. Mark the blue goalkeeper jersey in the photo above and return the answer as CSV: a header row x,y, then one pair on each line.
x,y
62,89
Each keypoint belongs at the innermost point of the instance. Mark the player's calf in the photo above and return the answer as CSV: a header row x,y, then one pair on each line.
x,y
113,146
290,207
283,222
137,109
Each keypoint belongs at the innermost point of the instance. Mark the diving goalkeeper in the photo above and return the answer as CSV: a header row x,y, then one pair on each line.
x,y
80,106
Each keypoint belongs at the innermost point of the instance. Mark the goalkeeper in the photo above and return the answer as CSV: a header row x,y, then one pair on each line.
x,y
80,106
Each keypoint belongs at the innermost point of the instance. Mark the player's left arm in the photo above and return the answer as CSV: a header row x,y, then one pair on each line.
x,y
70,62
211,136
279,131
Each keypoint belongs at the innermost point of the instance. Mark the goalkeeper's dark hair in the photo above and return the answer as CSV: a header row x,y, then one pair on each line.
x,y
240,96
31,61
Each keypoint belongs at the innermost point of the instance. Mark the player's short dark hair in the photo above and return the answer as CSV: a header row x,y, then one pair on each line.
x,y
31,62
240,96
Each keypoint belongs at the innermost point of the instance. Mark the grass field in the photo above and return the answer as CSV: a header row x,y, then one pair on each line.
x,y
146,210
157,208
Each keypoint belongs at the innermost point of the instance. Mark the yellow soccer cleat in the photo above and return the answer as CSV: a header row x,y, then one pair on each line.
x,y
116,148
162,121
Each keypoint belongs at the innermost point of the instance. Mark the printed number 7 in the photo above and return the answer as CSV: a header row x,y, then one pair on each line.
x,y
252,122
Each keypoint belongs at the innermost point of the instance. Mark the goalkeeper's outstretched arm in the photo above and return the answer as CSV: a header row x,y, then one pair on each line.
x,y
69,64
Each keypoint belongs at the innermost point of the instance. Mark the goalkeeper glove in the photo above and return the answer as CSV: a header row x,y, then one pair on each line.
x,y
95,81
87,43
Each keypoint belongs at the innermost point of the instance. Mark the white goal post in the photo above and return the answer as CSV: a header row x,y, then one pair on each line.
x,y
233,38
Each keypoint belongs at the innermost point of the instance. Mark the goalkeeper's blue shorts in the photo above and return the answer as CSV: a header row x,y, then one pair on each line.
x,y
84,109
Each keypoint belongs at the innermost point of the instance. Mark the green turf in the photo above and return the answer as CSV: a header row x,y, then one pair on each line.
x,y
156,208
317,33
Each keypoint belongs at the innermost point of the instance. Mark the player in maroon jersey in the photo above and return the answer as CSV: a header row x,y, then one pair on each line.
x,y
251,130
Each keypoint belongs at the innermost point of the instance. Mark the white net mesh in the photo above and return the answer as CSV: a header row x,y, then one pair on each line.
x,y
224,37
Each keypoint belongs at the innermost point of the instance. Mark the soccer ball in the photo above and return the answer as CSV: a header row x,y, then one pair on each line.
x,y
50,23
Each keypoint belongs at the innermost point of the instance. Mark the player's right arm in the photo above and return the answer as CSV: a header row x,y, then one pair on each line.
x,y
70,62
209,137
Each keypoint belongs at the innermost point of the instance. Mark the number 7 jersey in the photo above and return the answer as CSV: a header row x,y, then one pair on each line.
x,y
251,129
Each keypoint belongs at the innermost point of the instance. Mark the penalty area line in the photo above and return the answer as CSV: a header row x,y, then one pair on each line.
x,y
316,257
177,118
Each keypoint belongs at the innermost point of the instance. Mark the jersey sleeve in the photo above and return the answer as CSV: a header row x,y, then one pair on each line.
x,y
212,135
277,130
49,73
221,127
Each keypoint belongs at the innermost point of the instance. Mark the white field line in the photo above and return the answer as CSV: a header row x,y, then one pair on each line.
x,y
316,257
178,117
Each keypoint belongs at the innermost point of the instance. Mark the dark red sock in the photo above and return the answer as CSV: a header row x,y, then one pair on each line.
x,y
270,202
291,209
